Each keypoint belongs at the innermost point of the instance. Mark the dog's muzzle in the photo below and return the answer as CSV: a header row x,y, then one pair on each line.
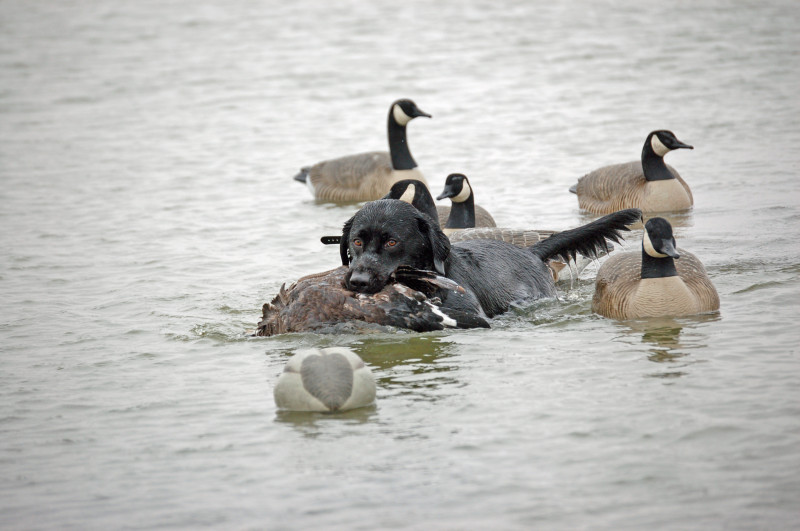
x,y
365,276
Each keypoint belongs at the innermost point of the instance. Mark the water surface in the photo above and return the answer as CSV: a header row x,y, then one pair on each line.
x,y
148,212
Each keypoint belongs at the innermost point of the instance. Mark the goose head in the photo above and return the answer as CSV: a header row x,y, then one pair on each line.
x,y
658,241
403,111
662,142
416,193
406,190
457,188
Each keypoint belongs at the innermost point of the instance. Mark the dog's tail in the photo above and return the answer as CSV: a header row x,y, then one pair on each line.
x,y
588,240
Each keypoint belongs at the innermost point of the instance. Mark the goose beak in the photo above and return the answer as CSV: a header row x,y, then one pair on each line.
x,y
681,145
447,192
420,112
668,248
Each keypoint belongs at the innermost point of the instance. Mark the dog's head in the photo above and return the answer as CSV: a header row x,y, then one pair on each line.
x,y
386,234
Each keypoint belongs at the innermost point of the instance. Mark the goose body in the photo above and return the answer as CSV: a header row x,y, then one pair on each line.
x,y
659,281
648,184
367,176
330,379
320,302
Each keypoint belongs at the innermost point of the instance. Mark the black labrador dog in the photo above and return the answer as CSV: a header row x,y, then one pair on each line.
x,y
389,233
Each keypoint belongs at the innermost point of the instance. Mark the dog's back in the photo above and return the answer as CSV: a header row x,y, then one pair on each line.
x,y
499,273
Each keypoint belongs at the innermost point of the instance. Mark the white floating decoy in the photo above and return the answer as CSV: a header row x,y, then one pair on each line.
x,y
329,379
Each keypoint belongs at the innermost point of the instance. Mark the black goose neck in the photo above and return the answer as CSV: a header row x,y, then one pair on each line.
x,y
462,215
653,165
658,267
398,145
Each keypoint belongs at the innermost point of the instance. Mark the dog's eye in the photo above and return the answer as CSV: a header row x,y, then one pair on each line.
x,y
391,243
357,242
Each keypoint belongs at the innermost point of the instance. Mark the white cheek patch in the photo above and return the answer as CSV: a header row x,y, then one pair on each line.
x,y
408,195
463,195
658,147
648,247
400,116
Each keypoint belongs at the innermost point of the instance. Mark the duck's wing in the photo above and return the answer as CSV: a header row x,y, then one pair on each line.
x,y
310,302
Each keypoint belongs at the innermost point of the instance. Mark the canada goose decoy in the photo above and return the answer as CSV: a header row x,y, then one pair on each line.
x,y
320,301
656,282
330,379
463,212
367,176
650,184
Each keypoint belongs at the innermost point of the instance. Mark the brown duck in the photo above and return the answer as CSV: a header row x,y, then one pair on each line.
x,y
320,301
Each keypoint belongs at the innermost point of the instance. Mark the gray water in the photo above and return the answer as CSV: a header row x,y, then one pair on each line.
x,y
147,212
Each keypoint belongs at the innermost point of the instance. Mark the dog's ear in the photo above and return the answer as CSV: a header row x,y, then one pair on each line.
x,y
344,243
440,244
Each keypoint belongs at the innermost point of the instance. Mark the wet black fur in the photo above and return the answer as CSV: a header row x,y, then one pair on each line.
x,y
493,273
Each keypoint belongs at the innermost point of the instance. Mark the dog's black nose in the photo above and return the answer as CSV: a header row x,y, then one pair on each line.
x,y
359,280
